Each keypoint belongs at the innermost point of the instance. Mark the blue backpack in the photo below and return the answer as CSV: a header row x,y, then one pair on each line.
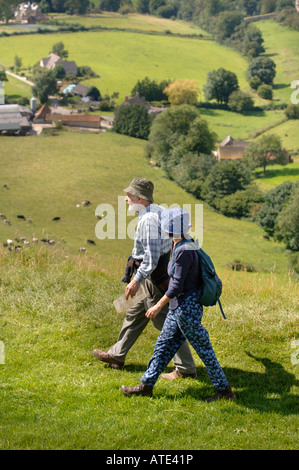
x,y
211,288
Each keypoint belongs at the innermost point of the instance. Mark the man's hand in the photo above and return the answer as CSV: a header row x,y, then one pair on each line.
x,y
132,289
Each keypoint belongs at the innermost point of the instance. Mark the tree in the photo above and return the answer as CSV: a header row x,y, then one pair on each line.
x,y
150,89
225,178
94,93
3,77
45,84
265,91
58,48
272,205
242,202
59,71
110,5
177,131
263,68
182,92
18,63
240,102
292,111
226,23
142,6
192,172
287,222
265,151
132,120
155,4
7,8
220,85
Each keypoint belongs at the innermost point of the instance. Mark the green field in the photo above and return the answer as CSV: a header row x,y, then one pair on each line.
x,y
282,46
54,174
56,307
56,302
131,21
121,58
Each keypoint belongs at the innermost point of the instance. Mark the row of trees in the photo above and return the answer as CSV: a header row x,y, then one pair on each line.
x,y
181,143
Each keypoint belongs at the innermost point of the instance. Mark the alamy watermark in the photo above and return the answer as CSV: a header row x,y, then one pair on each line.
x,y
117,223
294,95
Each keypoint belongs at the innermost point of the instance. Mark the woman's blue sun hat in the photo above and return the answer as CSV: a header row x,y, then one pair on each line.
x,y
175,222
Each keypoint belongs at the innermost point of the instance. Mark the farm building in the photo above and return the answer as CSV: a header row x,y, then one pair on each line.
x,y
52,60
76,120
137,99
14,119
27,12
80,90
46,116
230,149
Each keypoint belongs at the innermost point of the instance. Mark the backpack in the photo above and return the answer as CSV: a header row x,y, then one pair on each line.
x,y
211,288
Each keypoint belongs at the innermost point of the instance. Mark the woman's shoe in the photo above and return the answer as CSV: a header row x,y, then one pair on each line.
x,y
140,389
227,393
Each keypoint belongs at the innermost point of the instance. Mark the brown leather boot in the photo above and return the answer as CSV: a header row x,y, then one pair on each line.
x,y
176,374
141,389
104,357
227,393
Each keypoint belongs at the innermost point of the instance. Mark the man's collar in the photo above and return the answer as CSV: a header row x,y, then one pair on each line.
x,y
144,210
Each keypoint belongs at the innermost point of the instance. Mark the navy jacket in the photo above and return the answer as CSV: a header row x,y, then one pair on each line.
x,y
185,277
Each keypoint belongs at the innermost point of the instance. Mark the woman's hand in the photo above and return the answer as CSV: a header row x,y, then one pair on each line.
x,y
153,311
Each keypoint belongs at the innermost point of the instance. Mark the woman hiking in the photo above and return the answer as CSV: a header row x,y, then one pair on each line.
x,y
183,320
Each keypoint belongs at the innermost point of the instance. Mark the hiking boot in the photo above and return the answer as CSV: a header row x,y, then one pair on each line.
x,y
176,374
104,357
227,393
141,389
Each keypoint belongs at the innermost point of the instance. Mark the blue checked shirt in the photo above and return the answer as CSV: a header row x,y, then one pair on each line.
x,y
149,243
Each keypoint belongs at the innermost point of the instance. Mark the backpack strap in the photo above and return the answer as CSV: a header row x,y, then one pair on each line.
x,y
221,309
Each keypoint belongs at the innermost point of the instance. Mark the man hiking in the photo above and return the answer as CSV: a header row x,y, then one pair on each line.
x,y
148,263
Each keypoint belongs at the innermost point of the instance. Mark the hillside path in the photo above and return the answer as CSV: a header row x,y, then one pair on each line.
x,y
23,79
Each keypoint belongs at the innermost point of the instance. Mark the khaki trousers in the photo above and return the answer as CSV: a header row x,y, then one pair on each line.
x,y
135,322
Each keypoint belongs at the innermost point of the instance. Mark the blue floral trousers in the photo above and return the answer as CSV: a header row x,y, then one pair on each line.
x,y
184,323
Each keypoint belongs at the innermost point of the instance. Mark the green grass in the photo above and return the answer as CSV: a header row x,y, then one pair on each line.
x,y
121,58
277,174
131,21
240,126
48,176
15,89
56,395
282,46
56,307
288,133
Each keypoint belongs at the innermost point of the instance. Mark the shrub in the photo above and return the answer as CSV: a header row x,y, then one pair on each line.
x,y
241,203
255,82
225,178
265,91
292,111
132,120
240,102
273,203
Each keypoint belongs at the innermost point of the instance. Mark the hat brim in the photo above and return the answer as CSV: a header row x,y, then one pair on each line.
x,y
133,191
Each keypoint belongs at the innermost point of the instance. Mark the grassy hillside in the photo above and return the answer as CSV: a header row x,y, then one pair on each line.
x,y
48,176
121,58
56,307
282,45
55,395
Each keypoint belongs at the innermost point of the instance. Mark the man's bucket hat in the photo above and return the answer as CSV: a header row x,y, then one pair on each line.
x,y
141,187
